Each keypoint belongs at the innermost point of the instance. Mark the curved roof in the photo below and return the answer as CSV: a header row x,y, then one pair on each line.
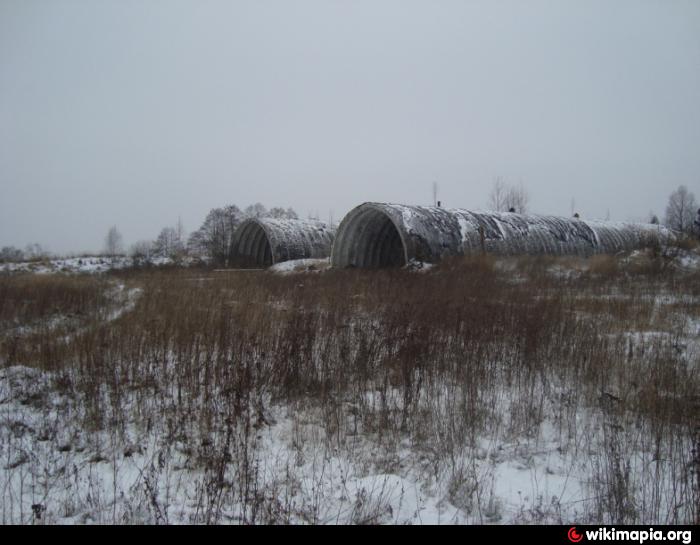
x,y
379,234
261,242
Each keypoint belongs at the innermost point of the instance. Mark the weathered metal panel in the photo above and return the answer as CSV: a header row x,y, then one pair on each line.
x,y
263,242
368,235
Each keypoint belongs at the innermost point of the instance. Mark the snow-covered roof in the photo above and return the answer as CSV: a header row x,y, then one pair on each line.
x,y
261,242
379,234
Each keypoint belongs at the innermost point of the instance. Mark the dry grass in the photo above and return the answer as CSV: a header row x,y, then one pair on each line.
x,y
438,360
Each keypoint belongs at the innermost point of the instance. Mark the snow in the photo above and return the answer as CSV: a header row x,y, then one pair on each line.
x,y
125,300
93,264
50,458
419,266
434,233
119,300
688,260
107,475
289,239
87,265
82,478
90,265
465,228
299,265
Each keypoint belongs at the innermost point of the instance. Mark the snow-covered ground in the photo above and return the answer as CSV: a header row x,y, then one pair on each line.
x,y
86,265
300,265
59,465
118,298
688,260
683,260
79,476
76,476
52,465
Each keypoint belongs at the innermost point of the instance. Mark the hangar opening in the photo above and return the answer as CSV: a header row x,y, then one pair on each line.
x,y
261,242
375,235
253,249
369,239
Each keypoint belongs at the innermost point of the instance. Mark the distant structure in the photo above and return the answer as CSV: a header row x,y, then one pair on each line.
x,y
262,242
376,235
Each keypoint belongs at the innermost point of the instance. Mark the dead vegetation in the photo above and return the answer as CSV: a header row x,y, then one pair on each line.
x,y
446,376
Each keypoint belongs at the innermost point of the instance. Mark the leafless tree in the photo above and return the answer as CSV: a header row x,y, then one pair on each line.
x,y
681,210
213,238
505,198
280,213
10,254
35,251
114,244
168,243
517,199
256,210
141,251
497,197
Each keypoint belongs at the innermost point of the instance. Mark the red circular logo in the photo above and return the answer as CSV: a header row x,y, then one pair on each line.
x,y
573,535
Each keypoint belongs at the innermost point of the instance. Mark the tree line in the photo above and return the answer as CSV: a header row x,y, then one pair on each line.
x,y
682,212
211,242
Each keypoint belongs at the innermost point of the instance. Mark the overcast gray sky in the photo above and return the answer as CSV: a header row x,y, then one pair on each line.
x,y
136,112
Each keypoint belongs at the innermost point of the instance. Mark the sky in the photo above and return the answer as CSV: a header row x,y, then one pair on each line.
x,y
135,113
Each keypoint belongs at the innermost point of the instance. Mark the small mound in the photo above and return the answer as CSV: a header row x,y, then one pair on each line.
x,y
300,266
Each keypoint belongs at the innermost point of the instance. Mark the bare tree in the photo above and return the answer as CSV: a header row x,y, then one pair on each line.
x,y
504,198
168,243
256,210
497,197
10,254
278,212
141,251
213,238
35,251
517,199
113,242
681,209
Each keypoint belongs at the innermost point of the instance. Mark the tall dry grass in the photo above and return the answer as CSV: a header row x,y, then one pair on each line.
x,y
439,360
